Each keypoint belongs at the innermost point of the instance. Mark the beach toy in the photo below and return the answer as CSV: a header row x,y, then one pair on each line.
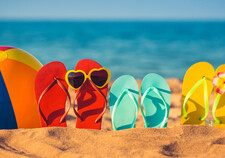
x,y
18,108
155,99
51,92
90,82
196,90
123,102
218,109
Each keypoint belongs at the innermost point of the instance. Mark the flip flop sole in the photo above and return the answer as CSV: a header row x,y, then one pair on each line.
x,y
153,104
53,102
220,111
126,110
195,106
90,103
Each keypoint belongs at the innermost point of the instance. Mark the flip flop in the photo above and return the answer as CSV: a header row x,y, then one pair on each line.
x,y
51,94
219,103
123,102
197,88
91,100
155,98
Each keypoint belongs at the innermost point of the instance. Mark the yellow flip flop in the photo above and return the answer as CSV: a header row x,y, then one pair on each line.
x,y
196,90
219,103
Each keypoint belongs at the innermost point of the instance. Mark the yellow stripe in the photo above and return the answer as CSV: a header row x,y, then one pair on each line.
x,y
21,56
3,56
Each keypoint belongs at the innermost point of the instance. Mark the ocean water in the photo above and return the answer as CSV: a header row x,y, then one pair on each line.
x,y
135,48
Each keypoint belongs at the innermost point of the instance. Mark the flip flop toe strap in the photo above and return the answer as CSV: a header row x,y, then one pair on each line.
x,y
102,113
76,95
56,81
206,102
69,98
158,93
216,102
117,103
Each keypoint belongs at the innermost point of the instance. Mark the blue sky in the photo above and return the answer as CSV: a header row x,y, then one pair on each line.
x,y
113,9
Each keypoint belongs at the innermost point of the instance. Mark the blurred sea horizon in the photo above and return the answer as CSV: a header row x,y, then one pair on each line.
x,y
137,48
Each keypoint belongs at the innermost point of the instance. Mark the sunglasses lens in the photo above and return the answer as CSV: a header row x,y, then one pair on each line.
x,y
99,78
76,79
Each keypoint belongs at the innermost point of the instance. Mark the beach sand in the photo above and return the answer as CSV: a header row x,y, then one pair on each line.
x,y
175,140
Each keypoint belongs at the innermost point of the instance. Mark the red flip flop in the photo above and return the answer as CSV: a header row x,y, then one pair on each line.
x,y
51,92
91,100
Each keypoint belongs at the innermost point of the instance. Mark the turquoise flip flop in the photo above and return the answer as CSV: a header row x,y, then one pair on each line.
x,y
156,97
123,102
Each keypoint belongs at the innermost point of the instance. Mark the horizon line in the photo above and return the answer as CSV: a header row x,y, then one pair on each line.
x,y
114,19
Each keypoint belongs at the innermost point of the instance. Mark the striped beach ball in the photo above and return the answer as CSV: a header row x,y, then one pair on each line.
x,y
18,107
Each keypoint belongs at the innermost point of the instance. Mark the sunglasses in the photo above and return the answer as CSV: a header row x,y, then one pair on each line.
x,y
100,77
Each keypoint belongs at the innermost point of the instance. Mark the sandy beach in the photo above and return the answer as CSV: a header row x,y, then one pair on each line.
x,y
175,140
103,40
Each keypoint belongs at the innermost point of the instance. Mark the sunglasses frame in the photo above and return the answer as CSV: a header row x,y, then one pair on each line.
x,y
88,76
